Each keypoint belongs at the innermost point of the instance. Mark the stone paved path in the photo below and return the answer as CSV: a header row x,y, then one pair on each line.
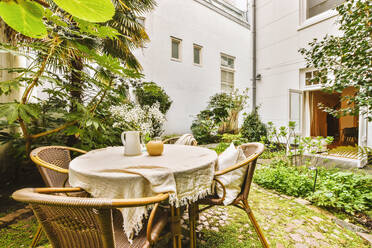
x,y
286,222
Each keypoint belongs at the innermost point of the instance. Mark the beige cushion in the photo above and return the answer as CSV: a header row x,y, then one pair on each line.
x,y
233,180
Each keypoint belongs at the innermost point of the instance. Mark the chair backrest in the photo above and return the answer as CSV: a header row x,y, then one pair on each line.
x,y
53,163
186,139
250,149
76,221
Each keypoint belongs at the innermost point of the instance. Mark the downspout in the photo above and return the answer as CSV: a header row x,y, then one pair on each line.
x,y
254,58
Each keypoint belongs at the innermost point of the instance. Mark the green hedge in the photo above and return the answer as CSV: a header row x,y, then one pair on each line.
x,y
346,191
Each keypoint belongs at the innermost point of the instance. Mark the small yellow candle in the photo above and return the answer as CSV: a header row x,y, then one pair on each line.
x,y
155,147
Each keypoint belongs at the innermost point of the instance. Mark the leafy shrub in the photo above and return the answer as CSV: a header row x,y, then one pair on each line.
x,y
148,93
344,190
204,128
220,116
221,147
341,190
253,128
285,179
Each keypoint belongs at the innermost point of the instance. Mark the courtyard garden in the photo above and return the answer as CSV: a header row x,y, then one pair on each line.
x,y
73,83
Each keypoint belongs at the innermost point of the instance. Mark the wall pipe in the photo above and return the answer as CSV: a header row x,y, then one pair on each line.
x,y
254,58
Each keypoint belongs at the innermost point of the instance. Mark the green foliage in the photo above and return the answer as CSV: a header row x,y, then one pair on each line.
x,y
88,10
148,93
347,56
219,117
337,189
295,181
345,191
253,128
26,17
205,129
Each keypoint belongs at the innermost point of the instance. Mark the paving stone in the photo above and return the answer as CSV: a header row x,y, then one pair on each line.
x,y
317,219
300,245
366,237
318,235
202,218
296,237
215,229
312,242
302,232
279,245
323,229
336,231
302,201
349,226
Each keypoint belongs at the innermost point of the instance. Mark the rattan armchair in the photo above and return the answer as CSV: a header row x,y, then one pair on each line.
x,y
80,222
53,162
252,151
186,139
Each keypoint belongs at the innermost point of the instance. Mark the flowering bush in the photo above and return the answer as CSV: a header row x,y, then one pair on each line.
x,y
148,119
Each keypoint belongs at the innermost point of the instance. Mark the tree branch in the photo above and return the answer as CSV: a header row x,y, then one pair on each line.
x,y
53,130
40,72
41,2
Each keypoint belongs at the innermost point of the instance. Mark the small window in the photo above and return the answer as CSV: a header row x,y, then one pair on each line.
x,y
176,49
316,7
197,54
227,73
310,78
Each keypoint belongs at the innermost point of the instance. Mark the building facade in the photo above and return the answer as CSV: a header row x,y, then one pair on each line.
x,y
285,91
197,48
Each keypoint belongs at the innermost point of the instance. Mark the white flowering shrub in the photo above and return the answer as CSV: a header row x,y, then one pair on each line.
x,y
147,119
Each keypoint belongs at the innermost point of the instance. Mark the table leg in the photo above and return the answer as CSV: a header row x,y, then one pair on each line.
x,y
176,226
192,220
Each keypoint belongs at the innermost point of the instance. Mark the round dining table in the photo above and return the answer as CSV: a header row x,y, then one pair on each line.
x,y
186,172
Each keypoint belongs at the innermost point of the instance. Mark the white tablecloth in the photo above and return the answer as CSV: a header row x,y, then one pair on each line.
x,y
185,171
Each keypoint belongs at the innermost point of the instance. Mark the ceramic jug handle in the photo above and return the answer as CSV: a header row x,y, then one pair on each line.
x,y
123,138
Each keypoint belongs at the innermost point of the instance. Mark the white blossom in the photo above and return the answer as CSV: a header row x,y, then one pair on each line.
x,y
135,117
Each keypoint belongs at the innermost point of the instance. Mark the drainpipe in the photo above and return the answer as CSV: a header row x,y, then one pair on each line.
x,y
254,59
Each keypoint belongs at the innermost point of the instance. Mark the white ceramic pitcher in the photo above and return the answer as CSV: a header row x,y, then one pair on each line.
x,y
132,143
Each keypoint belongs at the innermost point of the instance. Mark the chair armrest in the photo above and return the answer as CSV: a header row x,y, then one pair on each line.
x,y
117,203
74,149
251,158
48,165
223,189
57,190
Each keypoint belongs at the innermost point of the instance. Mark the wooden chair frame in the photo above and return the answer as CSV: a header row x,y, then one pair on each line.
x,y
39,196
241,200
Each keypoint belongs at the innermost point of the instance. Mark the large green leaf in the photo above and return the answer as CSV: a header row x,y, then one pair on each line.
x,y
10,111
24,16
88,10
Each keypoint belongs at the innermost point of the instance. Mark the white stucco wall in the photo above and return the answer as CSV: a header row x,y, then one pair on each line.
x,y
190,86
279,37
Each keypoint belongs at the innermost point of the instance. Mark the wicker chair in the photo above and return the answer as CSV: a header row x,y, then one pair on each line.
x,y
186,139
79,222
52,163
252,151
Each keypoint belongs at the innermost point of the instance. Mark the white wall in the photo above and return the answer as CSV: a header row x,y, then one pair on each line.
x,y
279,36
190,86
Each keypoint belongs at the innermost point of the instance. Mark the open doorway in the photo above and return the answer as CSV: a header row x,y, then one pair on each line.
x,y
343,129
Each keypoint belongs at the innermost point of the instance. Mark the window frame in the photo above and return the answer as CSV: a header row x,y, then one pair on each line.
x,y
305,22
227,69
179,59
200,54
298,125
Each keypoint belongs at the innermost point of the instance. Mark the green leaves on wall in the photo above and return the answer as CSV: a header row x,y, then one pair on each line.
x,y
26,17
